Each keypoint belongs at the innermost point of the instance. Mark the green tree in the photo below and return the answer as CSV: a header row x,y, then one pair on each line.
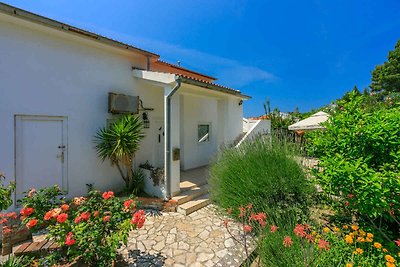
x,y
119,142
386,77
5,193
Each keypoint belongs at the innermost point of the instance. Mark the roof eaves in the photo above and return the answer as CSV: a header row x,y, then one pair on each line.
x,y
185,69
212,86
29,16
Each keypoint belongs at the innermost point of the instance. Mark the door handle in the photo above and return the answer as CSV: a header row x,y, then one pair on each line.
x,y
61,156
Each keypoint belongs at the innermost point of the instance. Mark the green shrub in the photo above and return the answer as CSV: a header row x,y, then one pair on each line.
x,y
5,193
263,172
360,156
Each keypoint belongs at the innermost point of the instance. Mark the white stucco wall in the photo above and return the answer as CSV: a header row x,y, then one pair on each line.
x,y
197,110
47,72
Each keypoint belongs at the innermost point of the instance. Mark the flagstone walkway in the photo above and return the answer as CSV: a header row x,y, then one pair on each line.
x,y
172,239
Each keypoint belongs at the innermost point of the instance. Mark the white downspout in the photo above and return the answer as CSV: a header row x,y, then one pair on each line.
x,y
168,139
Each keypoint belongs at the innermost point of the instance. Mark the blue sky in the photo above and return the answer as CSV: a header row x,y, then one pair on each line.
x,y
298,53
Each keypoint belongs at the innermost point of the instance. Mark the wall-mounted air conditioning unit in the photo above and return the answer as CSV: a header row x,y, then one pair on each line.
x,y
119,103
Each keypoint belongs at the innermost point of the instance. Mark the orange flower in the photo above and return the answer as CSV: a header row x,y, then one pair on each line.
x,y
389,258
108,195
299,230
322,244
287,241
389,264
377,245
326,230
242,212
128,204
96,213
106,218
32,223
360,239
64,207
138,218
349,239
358,251
354,227
27,211
62,217
48,215
335,229
349,265
384,250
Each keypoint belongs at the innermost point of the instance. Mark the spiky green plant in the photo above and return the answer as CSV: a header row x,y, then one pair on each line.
x,y
119,142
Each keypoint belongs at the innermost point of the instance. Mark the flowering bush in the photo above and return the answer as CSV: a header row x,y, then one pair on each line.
x,y
35,204
287,243
5,193
88,229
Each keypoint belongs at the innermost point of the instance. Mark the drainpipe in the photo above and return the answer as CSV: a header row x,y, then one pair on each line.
x,y
168,139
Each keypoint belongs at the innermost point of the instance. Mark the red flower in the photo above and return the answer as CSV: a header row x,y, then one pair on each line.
x,y
249,206
69,241
107,195
310,238
32,223
247,228
322,244
138,218
62,217
287,241
397,242
96,213
299,230
226,222
64,207
27,211
3,221
106,218
260,217
128,204
274,228
85,216
78,219
229,211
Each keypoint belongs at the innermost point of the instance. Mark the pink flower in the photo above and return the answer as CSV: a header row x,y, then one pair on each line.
x,y
274,228
106,218
69,241
247,228
31,192
62,217
108,195
287,241
322,244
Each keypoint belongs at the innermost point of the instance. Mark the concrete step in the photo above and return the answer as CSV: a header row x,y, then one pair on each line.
x,y
186,185
191,193
193,205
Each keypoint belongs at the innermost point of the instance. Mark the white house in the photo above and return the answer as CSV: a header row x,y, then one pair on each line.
x,y
54,85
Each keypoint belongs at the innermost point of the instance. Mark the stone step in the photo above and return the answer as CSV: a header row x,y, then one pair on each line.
x,y
193,205
191,193
186,185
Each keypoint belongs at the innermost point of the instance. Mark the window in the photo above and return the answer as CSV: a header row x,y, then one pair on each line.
x,y
203,133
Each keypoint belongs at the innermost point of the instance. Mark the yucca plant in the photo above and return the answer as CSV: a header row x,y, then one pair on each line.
x,y
119,142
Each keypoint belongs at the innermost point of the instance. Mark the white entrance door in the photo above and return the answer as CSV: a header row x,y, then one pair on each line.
x,y
158,144
41,152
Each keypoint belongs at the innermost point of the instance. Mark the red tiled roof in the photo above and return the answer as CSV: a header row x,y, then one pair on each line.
x,y
185,69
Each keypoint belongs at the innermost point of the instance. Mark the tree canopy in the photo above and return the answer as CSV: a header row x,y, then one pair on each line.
x,y
386,77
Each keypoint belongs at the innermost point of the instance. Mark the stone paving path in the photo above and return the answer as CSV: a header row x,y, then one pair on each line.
x,y
172,239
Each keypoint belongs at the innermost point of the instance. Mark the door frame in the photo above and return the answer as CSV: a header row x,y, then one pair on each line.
x,y
18,120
